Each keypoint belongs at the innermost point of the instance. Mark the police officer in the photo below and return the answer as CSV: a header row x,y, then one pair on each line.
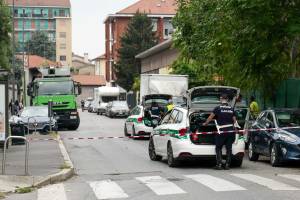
x,y
225,119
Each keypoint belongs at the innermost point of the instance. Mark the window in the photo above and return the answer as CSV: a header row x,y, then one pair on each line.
x,y
154,24
62,34
63,46
173,117
166,118
179,118
38,24
62,58
62,13
28,24
168,28
46,25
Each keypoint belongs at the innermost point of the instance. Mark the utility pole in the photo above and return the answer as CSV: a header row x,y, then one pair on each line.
x,y
13,54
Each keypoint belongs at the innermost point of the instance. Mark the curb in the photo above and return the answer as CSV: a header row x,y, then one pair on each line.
x,y
64,174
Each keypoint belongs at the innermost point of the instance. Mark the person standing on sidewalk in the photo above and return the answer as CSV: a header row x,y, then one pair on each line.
x,y
225,120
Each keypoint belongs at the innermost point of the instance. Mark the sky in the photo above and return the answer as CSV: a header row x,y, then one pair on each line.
x,y
88,30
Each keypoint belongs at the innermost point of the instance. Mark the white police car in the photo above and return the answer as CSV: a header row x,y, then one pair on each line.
x,y
177,137
136,125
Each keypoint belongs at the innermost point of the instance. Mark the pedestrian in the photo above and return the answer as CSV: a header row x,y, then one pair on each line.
x,y
16,107
11,107
225,119
254,108
82,105
170,105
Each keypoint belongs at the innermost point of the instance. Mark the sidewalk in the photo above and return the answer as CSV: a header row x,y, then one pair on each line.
x,y
46,160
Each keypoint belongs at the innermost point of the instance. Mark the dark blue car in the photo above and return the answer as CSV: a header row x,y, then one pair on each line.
x,y
281,138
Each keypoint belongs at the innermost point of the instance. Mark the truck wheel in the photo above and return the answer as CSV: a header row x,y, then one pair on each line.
x,y
74,127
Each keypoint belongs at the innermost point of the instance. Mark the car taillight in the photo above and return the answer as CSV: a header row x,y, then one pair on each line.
x,y
140,119
182,132
195,136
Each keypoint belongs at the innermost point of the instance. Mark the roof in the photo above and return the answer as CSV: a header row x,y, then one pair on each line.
x,y
99,57
35,61
89,80
167,7
156,49
41,3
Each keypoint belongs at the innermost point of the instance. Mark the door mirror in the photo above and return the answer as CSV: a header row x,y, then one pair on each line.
x,y
155,123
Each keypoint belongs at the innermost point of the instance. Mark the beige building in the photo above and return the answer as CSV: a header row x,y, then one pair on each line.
x,y
100,66
82,65
158,59
64,40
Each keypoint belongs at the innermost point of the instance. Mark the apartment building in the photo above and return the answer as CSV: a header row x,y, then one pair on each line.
x,y
161,13
50,16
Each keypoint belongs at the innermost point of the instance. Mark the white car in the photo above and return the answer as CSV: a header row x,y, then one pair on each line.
x,y
137,124
178,135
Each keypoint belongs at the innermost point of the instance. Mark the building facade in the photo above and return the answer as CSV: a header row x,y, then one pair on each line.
x,y
100,66
82,65
161,13
50,16
158,59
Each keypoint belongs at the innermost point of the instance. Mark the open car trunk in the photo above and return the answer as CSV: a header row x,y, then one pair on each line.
x,y
201,102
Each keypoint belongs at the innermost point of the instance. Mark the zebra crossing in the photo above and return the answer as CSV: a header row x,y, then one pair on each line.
x,y
160,186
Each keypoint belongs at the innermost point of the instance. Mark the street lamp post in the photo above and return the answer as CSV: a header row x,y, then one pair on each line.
x,y
13,53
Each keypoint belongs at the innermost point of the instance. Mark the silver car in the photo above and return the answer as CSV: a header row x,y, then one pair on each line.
x,y
117,108
34,118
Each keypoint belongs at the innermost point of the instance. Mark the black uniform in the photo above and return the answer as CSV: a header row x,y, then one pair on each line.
x,y
224,116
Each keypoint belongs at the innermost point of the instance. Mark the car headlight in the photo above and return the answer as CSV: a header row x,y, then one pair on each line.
x,y
287,138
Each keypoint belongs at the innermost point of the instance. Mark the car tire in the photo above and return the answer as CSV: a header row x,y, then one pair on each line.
x,y
151,151
274,156
251,154
133,131
172,162
125,131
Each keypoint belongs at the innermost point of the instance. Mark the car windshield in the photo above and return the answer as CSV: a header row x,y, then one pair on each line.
x,y
288,118
119,104
55,88
160,102
35,112
206,99
107,99
179,101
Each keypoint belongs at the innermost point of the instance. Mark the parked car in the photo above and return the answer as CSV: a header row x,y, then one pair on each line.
x,y
117,108
34,118
137,124
279,138
87,103
92,107
177,135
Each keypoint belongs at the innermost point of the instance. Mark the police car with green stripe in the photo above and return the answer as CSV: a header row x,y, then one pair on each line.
x,y
178,135
139,122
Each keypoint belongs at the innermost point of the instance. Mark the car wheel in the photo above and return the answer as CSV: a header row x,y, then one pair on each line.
x,y
125,131
251,154
151,150
274,157
133,131
172,162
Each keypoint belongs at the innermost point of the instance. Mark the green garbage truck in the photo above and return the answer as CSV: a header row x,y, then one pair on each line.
x,y
56,85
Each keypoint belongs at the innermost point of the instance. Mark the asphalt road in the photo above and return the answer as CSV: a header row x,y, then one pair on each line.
x,y
119,168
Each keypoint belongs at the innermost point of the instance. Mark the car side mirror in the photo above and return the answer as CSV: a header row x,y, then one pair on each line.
x,y
155,123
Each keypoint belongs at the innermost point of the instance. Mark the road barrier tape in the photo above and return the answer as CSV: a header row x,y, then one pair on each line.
x,y
243,131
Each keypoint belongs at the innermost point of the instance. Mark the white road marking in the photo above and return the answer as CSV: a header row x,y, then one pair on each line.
x,y
107,189
291,176
160,186
52,192
269,183
214,183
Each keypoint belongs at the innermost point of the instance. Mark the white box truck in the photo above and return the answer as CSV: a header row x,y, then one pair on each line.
x,y
174,85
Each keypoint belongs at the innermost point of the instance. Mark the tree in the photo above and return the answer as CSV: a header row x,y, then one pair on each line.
x,y
40,45
247,42
137,38
5,30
